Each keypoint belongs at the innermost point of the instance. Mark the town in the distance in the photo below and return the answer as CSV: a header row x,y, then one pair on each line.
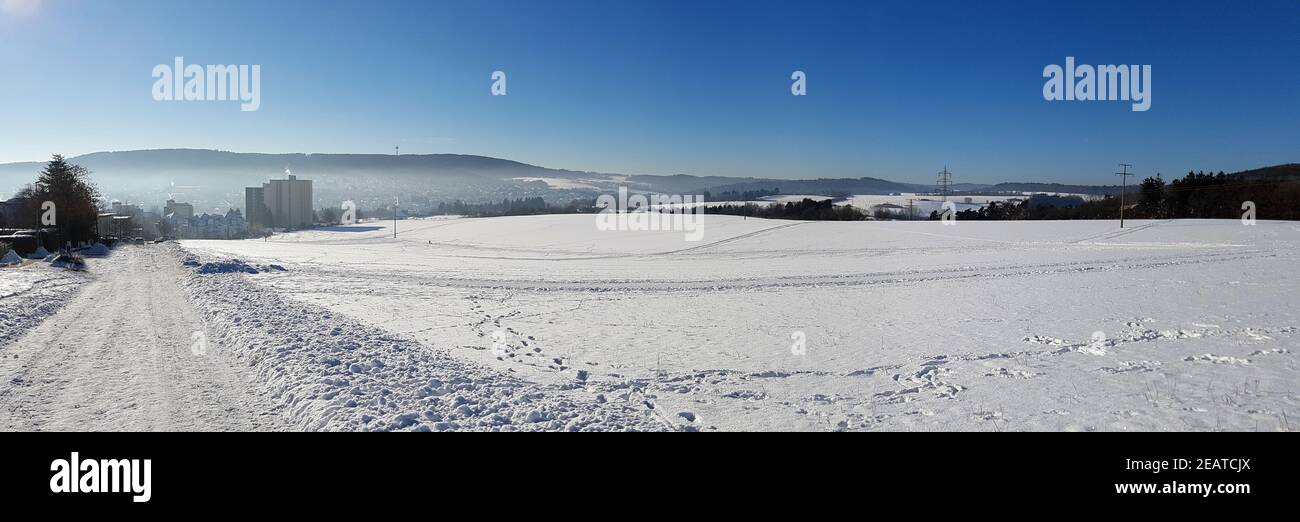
x,y
189,194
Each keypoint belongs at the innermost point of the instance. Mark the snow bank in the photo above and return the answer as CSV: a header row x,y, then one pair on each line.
x,y
40,253
68,262
27,297
95,250
230,266
329,372
227,266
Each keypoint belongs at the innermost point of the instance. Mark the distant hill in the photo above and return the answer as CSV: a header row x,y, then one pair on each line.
x,y
214,180
1277,172
1056,188
200,166
824,186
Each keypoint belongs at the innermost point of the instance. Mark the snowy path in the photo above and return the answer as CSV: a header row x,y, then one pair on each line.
x,y
118,357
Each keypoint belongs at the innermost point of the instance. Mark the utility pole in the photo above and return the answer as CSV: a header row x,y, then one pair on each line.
x,y
397,150
1123,188
910,216
1164,202
397,201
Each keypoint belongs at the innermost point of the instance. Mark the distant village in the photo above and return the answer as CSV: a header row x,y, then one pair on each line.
x,y
277,205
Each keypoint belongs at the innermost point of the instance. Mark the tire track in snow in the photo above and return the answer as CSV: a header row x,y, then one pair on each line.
x,y
1117,233
906,277
735,238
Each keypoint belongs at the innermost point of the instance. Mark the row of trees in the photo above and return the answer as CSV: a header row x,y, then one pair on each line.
x,y
807,209
75,199
1196,196
331,215
514,207
1033,208
1218,196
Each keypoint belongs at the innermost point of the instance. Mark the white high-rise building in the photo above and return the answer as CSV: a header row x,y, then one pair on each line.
x,y
286,203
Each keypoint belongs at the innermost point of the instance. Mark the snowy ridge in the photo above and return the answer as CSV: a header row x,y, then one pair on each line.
x,y
329,372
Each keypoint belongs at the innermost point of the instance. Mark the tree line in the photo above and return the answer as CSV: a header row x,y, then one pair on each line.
x,y
514,207
808,209
1198,195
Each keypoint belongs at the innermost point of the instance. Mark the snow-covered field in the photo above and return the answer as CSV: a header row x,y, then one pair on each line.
x,y
324,371
1165,325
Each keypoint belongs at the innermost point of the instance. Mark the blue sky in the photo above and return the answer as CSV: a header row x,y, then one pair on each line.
x,y
895,90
